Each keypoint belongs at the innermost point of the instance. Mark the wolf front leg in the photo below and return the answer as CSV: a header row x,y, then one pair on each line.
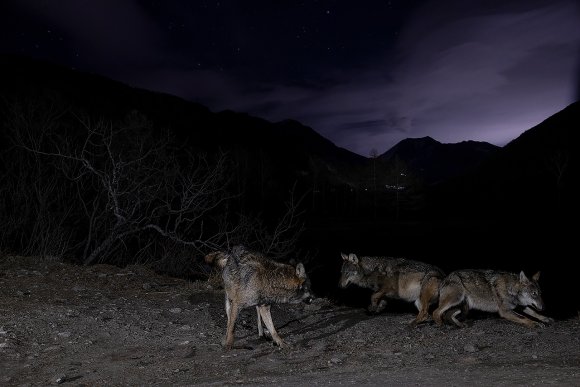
x,y
378,303
260,328
540,317
512,316
267,318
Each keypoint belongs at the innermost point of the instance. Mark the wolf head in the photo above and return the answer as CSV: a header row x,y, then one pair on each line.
x,y
529,291
351,272
302,291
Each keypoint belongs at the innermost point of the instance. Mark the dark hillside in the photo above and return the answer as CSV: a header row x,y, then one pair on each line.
x,y
436,162
518,209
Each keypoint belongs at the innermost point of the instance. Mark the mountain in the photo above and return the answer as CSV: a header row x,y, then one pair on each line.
x,y
533,176
435,162
270,157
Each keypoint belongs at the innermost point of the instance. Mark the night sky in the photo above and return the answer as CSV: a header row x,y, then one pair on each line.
x,y
365,74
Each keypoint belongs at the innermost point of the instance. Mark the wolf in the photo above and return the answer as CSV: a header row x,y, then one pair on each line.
x,y
490,291
251,279
399,278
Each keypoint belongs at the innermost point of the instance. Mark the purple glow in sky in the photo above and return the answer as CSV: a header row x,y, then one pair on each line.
x,y
364,75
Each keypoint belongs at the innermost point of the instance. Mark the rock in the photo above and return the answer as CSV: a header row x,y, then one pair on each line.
x,y
175,310
470,348
312,307
60,379
337,359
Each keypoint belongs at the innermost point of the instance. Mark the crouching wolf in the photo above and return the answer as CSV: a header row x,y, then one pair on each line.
x,y
251,279
490,291
398,278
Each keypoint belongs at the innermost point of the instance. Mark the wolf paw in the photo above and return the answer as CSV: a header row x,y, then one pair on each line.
x,y
538,324
382,305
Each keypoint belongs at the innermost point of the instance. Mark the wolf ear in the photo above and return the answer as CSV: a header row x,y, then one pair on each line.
x,y
523,278
353,258
536,276
300,271
344,256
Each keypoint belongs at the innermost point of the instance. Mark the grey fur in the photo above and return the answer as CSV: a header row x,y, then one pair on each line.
x,y
491,291
251,279
399,278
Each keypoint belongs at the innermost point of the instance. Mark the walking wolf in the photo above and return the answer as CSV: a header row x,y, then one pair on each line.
x,y
251,279
398,278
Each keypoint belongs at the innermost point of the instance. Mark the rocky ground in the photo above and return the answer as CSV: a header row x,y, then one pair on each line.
x,y
103,325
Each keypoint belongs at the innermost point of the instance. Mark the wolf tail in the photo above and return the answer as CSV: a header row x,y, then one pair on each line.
x,y
220,259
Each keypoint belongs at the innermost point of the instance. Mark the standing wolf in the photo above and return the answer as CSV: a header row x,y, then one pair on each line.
x,y
490,291
250,279
399,278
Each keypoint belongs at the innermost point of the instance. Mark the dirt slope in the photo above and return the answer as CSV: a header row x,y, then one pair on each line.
x,y
103,325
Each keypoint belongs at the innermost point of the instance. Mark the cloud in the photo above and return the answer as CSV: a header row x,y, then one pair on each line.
x,y
487,75
481,70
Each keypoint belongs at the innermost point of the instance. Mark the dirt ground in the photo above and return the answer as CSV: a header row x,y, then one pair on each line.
x,y
103,325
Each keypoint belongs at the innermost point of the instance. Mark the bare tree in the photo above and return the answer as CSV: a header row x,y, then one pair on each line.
x,y
127,182
33,221
116,192
281,240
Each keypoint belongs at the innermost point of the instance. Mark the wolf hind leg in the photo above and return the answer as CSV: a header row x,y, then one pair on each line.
x,y
447,301
260,328
452,314
232,317
228,307
428,295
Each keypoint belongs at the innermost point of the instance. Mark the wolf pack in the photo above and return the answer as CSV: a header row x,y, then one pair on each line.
x,y
251,279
